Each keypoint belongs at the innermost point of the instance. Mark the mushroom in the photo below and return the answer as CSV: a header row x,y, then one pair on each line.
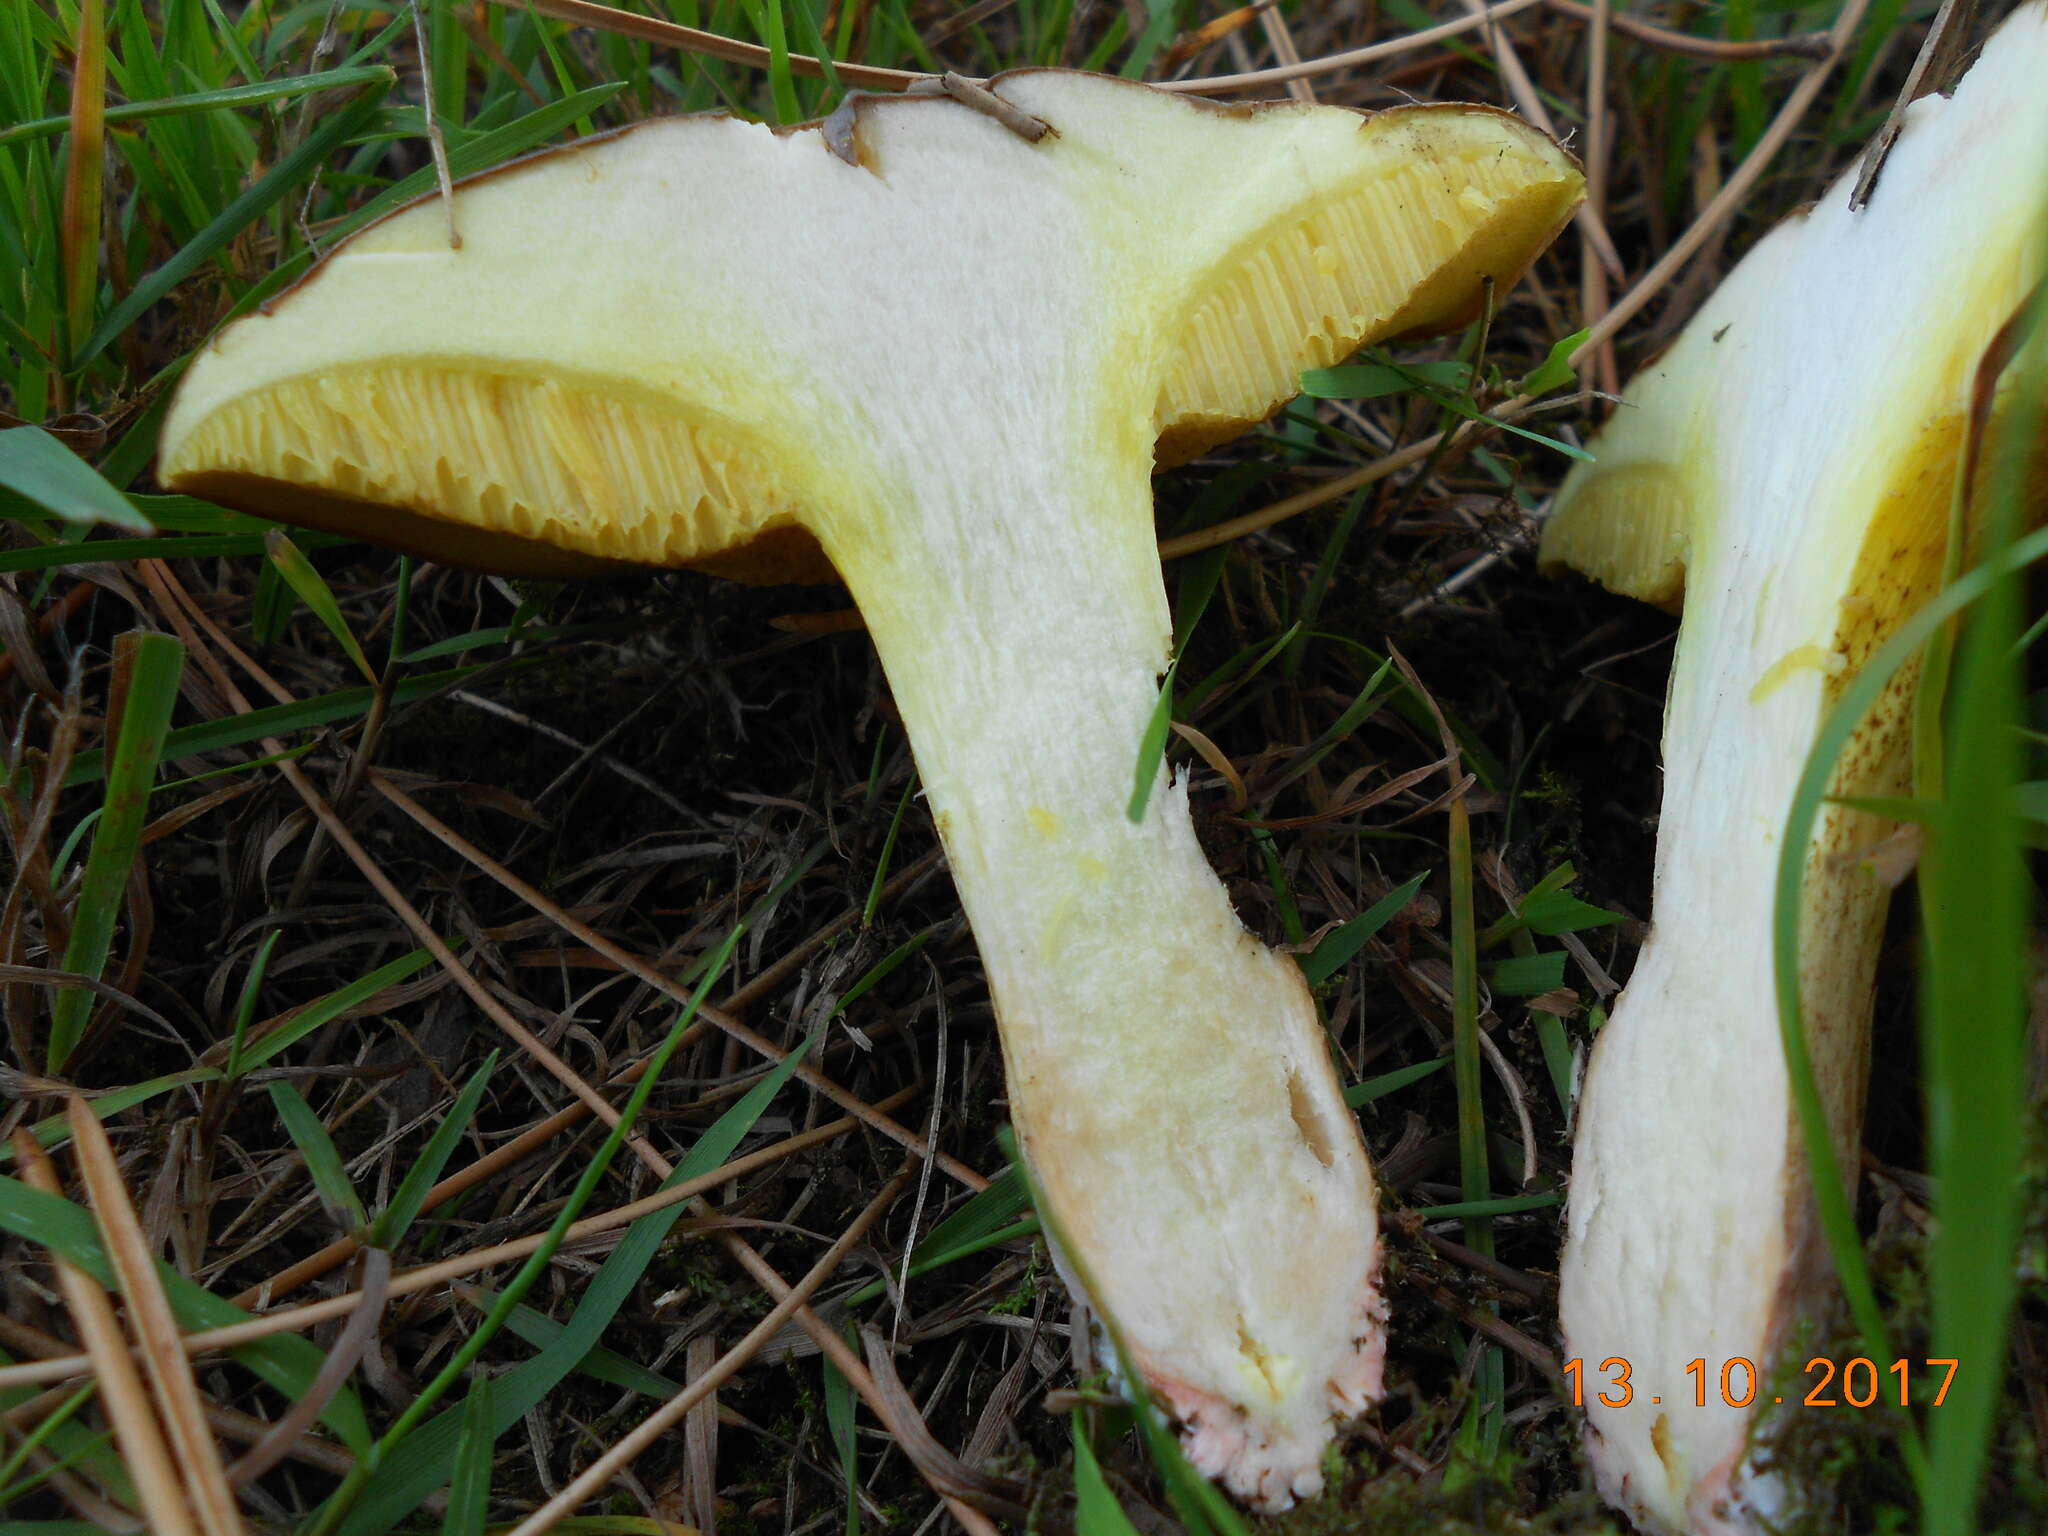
x,y
938,341
1786,471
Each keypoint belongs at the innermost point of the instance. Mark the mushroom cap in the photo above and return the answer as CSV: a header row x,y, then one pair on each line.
x,y
641,352
1833,367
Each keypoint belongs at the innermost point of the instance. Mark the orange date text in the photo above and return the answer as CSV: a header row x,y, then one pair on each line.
x,y
1735,1383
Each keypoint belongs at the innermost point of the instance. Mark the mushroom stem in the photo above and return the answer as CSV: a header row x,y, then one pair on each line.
x,y
1168,1075
1692,1234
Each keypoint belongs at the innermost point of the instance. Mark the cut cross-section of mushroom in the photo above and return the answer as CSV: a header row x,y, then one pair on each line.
x,y
950,355
1785,471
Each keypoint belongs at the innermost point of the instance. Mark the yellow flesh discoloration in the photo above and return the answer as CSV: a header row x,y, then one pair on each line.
x,y
1273,1377
1801,658
1899,566
1669,1457
1897,570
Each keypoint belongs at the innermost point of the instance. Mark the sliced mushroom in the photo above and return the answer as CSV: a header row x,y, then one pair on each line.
x,y
1784,471
947,356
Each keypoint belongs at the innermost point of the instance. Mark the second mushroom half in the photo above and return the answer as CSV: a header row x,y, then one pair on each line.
x,y
1786,471
941,341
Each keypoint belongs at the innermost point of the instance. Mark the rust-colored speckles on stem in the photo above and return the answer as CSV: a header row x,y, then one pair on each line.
x,y
1899,567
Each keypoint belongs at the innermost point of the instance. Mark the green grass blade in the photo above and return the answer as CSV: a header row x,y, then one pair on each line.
x,y
411,1195
291,169
839,1408
285,1361
1283,893
781,80
757,916
1549,908
1152,747
502,634
55,1130
401,613
34,465
1341,944
1552,913
1161,20
476,154
273,607
1363,706
288,1363
106,551
1557,1057
874,898
1837,1219
147,668
1327,565
987,1210
598,1363
70,1444
1199,579
469,1483
210,101
188,514
1379,1087
356,994
323,1159
1375,381
875,973
984,1219
1527,975
283,719
1472,413
413,1470
229,37
1236,672
448,47
1470,1210
1555,371
52,1222
1096,1511
928,1256
536,1263
291,563
32,349
1976,896
811,37
1474,1178
1745,77
245,1004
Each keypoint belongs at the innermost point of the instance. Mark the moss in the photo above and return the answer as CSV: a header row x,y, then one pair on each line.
x,y
1394,1504
1024,1295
